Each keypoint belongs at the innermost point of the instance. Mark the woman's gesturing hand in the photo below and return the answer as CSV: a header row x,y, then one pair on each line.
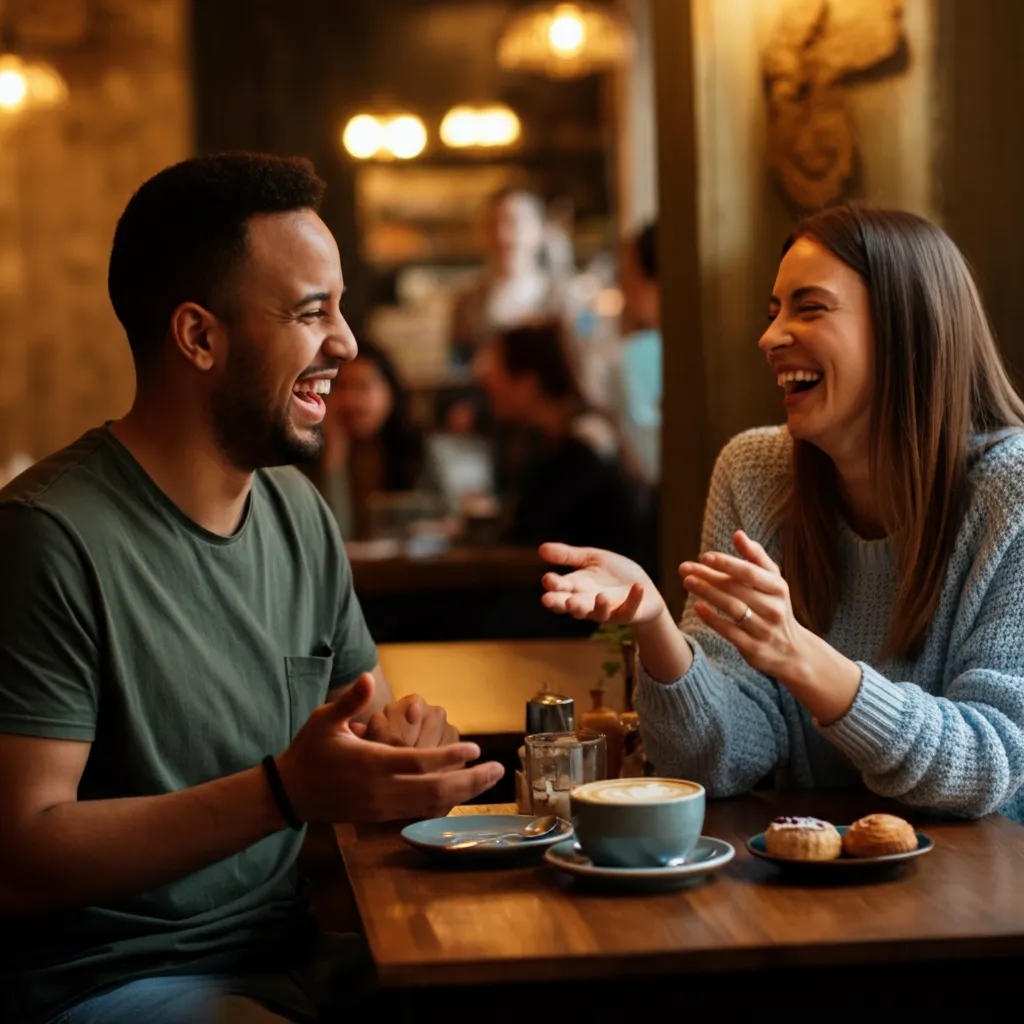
x,y
604,587
746,600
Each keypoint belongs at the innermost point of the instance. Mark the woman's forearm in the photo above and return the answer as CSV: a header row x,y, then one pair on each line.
x,y
663,649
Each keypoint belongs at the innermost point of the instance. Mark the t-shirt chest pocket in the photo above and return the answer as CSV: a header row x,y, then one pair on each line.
x,y
308,680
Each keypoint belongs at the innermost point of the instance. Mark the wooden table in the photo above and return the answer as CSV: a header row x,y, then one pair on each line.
x,y
428,926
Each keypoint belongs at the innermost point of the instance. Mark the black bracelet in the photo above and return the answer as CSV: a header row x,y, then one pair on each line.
x,y
280,796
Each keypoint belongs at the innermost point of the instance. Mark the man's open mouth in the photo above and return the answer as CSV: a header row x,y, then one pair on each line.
x,y
308,391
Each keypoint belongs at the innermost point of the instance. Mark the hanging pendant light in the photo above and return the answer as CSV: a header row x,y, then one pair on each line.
x,y
566,40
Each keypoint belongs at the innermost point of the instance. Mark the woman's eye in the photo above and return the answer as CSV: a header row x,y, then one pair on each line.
x,y
811,308
772,314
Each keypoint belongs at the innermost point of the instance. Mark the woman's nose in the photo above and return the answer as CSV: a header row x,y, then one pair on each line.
x,y
774,337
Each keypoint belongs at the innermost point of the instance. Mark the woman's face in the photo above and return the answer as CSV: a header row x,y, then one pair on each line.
x,y
515,227
362,398
820,345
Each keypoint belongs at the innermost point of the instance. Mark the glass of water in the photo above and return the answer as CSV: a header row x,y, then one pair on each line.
x,y
556,762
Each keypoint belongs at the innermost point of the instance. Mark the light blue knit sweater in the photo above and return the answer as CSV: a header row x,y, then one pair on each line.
x,y
943,733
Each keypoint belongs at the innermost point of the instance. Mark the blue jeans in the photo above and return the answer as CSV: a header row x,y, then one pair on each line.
x,y
339,974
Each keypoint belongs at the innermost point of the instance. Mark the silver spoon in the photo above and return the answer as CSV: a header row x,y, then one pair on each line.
x,y
536,829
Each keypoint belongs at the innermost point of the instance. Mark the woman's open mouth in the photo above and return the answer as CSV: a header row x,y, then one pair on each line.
x,y
798,382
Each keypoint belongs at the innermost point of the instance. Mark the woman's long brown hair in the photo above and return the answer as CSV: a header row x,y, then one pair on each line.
x,y
939,380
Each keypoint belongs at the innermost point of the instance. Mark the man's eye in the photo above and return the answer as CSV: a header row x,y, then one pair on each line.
x,y
312,314
772,314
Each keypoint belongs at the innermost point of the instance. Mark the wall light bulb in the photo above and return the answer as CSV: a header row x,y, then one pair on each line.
x,y
405,137
460,127
363,136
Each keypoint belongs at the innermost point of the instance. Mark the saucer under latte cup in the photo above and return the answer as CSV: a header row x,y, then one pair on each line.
x,y
637,823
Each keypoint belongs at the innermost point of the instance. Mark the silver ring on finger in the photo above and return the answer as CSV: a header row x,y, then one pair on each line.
x,y
744,618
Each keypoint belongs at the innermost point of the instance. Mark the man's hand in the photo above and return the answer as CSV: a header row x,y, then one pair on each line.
x,y
332,773
409,722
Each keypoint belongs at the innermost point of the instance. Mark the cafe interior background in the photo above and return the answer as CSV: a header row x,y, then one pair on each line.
x,y
721,119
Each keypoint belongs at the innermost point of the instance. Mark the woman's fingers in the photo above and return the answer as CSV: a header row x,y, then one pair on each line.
x,y
739,570
751,550
568,583
565,554
733,605
738,636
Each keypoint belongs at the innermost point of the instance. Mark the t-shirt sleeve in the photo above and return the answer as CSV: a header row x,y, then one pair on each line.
x,y
49,630
354,649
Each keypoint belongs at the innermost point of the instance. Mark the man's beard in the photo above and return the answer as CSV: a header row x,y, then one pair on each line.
x,y
249,430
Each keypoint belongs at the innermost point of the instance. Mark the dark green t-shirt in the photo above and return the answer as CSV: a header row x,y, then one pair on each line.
x,y
182,657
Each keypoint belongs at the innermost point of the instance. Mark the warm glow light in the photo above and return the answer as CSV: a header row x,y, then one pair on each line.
x,y
406,137
13,89
25,84
488,126
363,136
459,127
497,126
567,33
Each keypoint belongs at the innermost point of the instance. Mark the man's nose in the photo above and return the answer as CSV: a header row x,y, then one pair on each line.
x,y
341,343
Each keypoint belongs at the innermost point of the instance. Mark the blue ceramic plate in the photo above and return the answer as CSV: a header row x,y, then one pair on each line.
x,y
435,835
755,844
708,855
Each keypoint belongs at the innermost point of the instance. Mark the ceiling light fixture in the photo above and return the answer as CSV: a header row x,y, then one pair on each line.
x,y
566,40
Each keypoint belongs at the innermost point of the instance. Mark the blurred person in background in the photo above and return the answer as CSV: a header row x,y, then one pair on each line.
x,y
371,444
637,381
517,283
570,482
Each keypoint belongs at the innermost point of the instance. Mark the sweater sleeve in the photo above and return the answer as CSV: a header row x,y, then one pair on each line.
x,y
721,724
961,753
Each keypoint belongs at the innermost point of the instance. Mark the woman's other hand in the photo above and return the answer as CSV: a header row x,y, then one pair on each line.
x,y
746,600
604,587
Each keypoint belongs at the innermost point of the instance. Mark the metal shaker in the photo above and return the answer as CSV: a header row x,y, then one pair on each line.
x,y
549,712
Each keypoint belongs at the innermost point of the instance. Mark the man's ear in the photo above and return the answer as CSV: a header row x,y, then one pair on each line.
x,y
198,335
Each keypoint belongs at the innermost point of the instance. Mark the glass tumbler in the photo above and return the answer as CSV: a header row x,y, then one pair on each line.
x,y
556,762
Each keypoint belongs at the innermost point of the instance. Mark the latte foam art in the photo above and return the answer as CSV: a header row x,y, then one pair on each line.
x,y
636,792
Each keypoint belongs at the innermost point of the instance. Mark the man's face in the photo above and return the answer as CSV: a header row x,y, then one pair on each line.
x,y
287,338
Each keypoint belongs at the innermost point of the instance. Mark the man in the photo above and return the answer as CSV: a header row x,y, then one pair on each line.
x,y
637,391
171,613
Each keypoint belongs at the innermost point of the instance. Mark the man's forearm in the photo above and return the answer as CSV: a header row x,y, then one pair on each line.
x,y
85,852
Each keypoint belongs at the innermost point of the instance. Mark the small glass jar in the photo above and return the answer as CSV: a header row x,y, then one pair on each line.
x,y
557,762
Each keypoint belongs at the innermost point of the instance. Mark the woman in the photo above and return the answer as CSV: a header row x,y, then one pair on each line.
x,y
516,285
566,479
869,624
370,442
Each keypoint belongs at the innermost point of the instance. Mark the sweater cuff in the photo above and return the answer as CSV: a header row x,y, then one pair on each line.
x,y
690,693
873,727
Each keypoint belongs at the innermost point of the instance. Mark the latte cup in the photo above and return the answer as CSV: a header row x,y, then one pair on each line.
x,y
637,823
